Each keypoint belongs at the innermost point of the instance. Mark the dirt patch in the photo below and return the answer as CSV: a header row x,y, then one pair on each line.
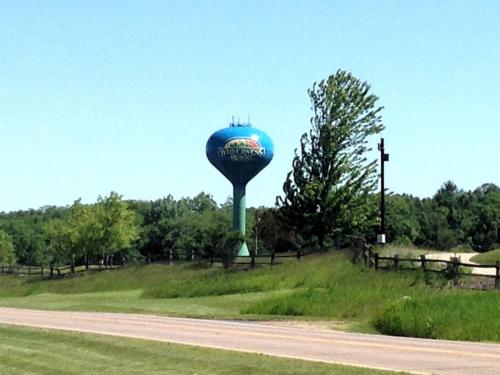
x,y
340,325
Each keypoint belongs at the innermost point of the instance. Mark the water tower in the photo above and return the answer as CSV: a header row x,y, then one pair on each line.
x,y
239,152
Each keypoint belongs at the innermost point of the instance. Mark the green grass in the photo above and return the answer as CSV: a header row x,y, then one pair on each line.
x,y
326,287
411,252
491,257
222,307
36,351
460,316
129,278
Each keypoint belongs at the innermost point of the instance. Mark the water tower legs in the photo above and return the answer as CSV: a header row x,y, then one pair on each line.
x,y
239,216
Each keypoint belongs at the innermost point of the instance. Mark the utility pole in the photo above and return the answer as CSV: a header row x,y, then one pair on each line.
x,y
383,158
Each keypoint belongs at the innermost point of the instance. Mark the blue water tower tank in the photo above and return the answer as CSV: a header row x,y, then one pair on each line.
x,y
239,152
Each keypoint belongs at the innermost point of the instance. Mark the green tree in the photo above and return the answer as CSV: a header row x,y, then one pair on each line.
x,y
7,253
402,225
91,231
485,229
117,227
326,193
270,232
58,247
25,230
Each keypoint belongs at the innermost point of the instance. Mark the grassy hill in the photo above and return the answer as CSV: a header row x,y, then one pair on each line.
x,y
491,257
326,287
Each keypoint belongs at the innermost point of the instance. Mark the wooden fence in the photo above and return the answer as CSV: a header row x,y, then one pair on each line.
x,y
170,258
53,272
452,269
251,261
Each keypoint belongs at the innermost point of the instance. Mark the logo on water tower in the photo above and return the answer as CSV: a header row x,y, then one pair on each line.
x,y
242,149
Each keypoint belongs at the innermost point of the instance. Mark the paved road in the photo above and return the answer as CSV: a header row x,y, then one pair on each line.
x,y
395,353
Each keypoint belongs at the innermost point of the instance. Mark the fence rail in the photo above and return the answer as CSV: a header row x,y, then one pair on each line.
x,y
53,272
453,268
169,258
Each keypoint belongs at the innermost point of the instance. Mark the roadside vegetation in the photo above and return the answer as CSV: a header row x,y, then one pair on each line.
x,y
36,351
318,287
466,315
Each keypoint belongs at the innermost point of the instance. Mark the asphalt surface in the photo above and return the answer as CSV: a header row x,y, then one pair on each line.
x,y
315,344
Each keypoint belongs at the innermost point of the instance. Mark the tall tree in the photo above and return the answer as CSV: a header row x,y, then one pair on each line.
x,y
326,193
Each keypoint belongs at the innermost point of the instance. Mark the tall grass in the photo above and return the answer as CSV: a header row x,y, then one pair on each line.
x,y
347,292
322,286
463,315
403,251
129,278
331,273
327,286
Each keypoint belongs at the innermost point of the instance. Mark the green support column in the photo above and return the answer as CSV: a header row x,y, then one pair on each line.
x,y
239,217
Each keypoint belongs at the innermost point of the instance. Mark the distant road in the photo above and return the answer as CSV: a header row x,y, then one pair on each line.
x,y
464,258
315,344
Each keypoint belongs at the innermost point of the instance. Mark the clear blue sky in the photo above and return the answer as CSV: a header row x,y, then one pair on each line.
x,y
122,95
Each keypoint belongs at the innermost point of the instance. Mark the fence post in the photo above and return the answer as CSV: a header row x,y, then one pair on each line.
x,y
422,260
396,262
497,275
298,254
252,263
376,261
455,271
424,267
367,255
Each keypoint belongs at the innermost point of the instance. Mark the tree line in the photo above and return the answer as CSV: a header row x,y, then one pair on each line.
x,y
113,229
452,217
117,230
